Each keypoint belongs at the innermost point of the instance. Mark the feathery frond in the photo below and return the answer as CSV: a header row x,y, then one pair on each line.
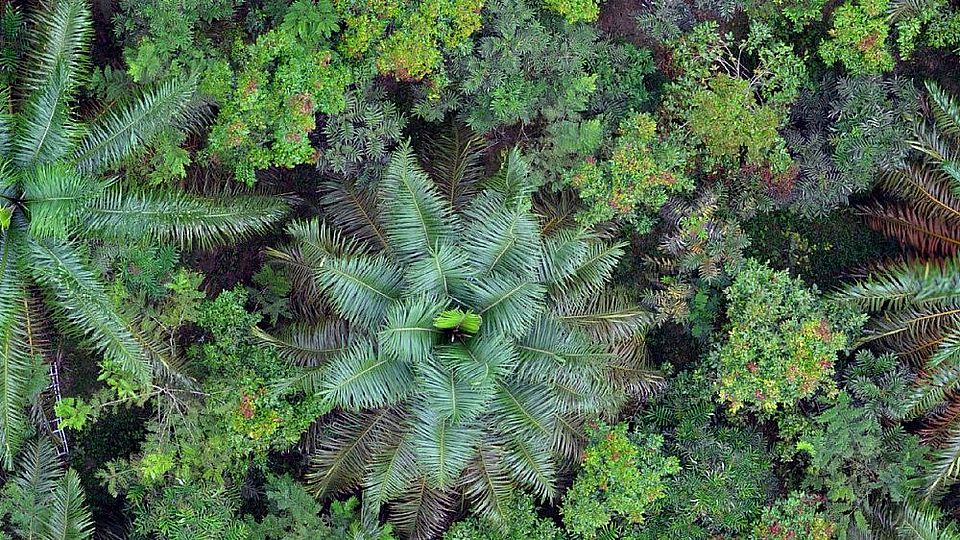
x,y
190,221
353,210
361,378
62,43
417,218
14,348
120,134
360,288
82,300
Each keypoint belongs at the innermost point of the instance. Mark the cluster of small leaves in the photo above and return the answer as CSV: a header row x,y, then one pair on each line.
x,y
357,141
798,517
294,514
407,39
705,247
641,173
859,38
519,522
725,471
782,341
622,477
268,106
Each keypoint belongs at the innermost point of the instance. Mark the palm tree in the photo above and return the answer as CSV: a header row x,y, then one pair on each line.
x,y
918,302
465,341
44,501
54,197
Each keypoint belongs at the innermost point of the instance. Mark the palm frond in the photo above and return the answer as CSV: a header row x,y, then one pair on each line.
x,y
443,446
354,211
188,220
409,334
346,442
500,238
531,464
946,109
55,195
515,181
360,288
308,345
451,395
591,273
36,478
508,305
361,378
923,522
69,518
14,348
417,218
83,302
119,134
455,162
422,512
44,131
390,472
928,235
606,317
487,483
441,271
62,43
562,252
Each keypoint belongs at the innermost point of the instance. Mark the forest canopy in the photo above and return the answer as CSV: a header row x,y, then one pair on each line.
x,y
480,269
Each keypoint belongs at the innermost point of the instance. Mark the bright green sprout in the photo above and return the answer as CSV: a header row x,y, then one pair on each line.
x,y
457,319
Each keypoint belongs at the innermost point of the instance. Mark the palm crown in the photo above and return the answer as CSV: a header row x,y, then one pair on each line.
x,y
479,342
53,196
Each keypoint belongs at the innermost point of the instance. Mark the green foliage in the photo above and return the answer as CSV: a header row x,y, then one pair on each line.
x,y
519,522
621,479
725,471
859,38
269,104
406,39
797,517
782,342
358,140
170,37
575,10
641,173
188,512
728,122
457,319
734,120
294,514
